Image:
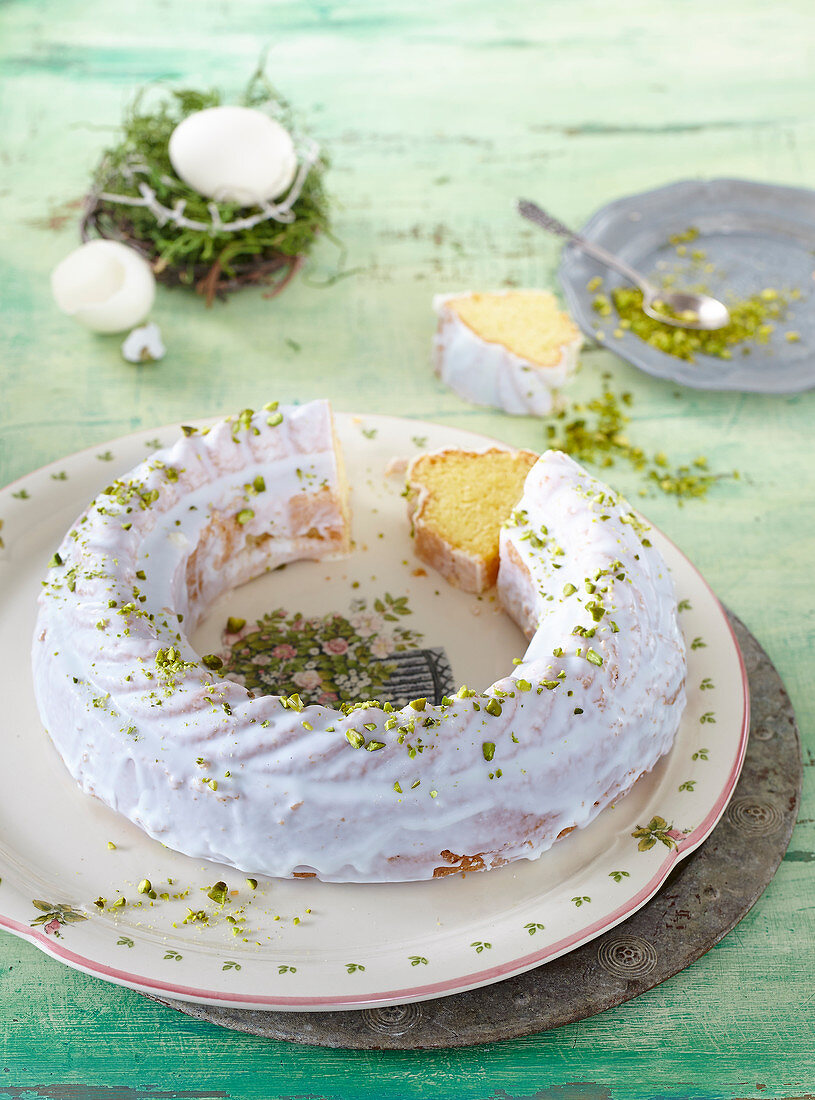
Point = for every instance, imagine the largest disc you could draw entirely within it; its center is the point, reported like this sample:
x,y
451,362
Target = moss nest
x,y
213,261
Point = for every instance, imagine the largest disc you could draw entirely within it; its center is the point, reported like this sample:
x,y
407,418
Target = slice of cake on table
x,y
510,349
457,501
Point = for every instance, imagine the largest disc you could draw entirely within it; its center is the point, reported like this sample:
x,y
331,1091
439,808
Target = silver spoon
x,y
681,308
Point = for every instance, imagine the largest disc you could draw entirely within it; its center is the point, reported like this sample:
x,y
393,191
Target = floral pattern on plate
x,y
335,658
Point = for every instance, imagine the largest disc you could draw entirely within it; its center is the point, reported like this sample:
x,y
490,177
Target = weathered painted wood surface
x,y
436,117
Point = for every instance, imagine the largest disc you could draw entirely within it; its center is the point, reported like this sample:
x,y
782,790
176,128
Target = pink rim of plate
x,y
434,989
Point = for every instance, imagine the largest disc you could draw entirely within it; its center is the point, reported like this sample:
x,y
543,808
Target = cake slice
x,y
510,349
457,501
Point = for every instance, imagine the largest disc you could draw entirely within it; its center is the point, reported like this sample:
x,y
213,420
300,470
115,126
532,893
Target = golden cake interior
x,y
463,497
526,322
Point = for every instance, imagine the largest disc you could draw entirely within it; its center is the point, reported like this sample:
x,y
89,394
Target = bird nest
x,y
190,241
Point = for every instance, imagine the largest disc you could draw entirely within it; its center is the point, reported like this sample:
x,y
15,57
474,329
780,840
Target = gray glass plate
x,y
756,235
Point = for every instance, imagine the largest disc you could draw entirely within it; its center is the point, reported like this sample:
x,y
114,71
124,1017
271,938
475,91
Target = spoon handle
x,y
533,213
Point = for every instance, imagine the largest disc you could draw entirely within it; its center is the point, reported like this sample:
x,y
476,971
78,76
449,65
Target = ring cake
x,y
364,793
510,349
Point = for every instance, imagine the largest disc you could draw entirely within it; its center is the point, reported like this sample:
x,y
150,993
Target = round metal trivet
x,y
704,897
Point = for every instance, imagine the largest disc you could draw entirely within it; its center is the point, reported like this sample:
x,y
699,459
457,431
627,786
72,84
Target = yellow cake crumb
x,y
526,322
457,501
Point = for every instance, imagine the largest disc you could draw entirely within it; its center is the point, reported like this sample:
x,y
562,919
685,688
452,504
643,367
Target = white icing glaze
x,y
488,373
300,797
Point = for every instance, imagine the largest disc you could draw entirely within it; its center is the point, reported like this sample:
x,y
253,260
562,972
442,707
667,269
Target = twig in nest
x,y
208,286
294,266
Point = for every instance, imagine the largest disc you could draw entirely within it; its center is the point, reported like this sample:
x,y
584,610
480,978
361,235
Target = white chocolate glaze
x,y
490,374
152,735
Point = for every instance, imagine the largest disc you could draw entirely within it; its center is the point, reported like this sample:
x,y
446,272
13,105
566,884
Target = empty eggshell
x,y
105,285
233,154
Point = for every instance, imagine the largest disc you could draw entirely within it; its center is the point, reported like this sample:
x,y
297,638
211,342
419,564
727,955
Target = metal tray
x,y
756,235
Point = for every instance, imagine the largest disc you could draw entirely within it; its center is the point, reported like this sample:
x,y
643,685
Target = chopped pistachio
x,y
602,305
750,323
685,237
218,893
600,439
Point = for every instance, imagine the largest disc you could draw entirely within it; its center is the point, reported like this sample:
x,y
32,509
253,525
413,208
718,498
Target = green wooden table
x,y
436,117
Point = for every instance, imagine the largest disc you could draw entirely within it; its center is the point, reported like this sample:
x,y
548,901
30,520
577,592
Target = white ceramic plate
x,y
351,945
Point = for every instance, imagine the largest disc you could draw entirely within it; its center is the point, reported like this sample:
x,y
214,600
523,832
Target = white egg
x,y
233,154
105,285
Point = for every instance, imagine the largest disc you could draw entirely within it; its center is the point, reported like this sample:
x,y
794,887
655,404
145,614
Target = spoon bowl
x,y
685,310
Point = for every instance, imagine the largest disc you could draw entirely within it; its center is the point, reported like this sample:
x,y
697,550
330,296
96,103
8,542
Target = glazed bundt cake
x,y
273,787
